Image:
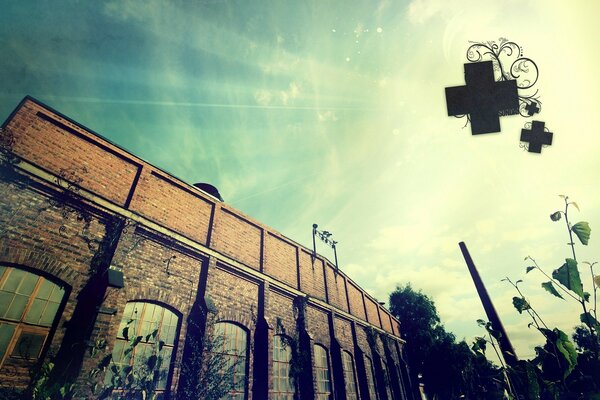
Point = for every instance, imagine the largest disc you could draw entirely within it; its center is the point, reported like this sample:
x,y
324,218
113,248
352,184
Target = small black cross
x,y
536,137
532,108
484,99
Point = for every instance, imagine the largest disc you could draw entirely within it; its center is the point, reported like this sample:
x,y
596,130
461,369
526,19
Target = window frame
x,y
276,364
21,326
138,332
347,356
234,393
327,368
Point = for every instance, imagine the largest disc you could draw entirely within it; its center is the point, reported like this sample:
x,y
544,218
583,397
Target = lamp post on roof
x,y
325,237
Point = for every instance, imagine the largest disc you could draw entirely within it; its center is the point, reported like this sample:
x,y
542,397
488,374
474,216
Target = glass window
x,y
143,319
28,307
283,387
349,376
322,373
233,347
370,378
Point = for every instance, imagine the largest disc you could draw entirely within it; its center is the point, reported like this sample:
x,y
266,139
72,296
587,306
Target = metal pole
x,y
315,226
505,346
335,255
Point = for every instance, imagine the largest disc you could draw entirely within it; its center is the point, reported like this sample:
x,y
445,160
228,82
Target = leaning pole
x,y
505,346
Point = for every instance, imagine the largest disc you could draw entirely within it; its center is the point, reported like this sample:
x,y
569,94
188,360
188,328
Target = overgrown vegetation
x,y
448,369
563,368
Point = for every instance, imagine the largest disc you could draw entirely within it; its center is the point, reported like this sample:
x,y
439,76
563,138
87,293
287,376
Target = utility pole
x,y
505,346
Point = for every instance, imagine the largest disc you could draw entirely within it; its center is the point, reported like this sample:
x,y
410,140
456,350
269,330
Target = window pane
x,y
35,311
6,333
5,300
49,314
28,346
57,294
44,290
2,270
28,284
14,279
15,311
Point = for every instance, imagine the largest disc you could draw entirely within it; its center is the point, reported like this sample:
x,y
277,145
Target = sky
x,y
333,112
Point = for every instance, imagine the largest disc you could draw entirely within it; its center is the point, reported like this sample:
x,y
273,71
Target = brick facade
x,y
75,205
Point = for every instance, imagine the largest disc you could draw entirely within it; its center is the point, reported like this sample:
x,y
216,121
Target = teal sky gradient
x,y
334,112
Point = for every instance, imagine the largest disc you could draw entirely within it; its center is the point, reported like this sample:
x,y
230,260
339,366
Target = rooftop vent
x,y
210,189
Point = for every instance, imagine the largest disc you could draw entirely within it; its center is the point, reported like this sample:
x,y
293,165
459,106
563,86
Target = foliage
x,y
215,366
561,369
448,369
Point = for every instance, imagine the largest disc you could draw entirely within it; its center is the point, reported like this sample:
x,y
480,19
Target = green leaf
x,y
555,216
105,361
529,269
566,348
520,304
588,318
550,288
151,363
582,230
568,275
479,345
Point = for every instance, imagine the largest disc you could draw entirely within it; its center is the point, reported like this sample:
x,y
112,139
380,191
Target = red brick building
x,y
77,213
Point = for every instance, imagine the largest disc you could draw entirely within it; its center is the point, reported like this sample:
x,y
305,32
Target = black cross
x,y
532,108
536,137
484,99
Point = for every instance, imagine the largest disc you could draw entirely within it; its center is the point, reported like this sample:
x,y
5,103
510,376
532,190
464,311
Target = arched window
x,y
283,388
322,373
29,305
371,379
233,347
349,375
155,324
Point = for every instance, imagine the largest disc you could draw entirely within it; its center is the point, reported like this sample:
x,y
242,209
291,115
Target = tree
x,y
448,369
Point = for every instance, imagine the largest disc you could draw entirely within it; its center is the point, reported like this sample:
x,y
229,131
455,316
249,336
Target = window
x,y
322,373
234,347
143,319
349,376
283,388
370,378
29,305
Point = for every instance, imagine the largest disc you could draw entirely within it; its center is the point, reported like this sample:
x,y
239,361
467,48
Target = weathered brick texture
x,y
280,260
158,198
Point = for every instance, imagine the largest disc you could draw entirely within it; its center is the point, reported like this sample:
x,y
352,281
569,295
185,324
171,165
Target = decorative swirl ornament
x,y
510,64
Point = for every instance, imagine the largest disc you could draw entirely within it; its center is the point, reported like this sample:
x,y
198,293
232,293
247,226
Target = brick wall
x,y
172,233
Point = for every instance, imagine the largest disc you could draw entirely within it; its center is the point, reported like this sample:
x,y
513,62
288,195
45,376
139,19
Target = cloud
x,y
327,116
266,97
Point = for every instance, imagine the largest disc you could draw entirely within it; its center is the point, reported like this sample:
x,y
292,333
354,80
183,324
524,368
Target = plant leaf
x,y
550,288
529,269
582,230
575,205
151,363
568,275
520,304
589,318
555,216
566,348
